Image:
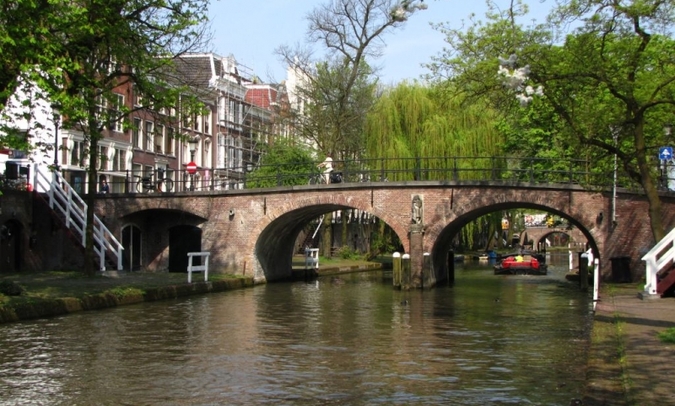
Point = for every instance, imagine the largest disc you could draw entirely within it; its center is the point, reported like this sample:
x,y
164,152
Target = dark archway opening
x,y
131,241
183,239
10,246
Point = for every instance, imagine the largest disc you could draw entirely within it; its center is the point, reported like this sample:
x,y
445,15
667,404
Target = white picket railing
x,y
64,200
658,258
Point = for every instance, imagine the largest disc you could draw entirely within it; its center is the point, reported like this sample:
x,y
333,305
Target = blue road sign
x,y
666,153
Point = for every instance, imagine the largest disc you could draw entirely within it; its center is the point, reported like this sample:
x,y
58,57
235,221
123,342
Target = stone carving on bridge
x,y
417,210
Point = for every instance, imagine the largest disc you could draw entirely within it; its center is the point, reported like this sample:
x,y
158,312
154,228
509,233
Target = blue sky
x,y
251,30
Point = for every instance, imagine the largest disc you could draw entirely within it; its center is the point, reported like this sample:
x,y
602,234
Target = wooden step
x,y
665,283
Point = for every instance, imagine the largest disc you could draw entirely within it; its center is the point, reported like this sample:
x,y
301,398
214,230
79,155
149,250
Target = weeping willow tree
x,y
413,126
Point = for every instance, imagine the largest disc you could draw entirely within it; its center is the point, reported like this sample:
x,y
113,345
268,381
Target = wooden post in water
x,y
406,272
396,264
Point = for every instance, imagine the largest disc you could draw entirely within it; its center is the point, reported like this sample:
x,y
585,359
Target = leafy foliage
x,y
608,81
283,164
411,121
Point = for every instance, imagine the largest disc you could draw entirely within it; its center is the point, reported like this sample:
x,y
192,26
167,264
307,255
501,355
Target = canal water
x,y
352,340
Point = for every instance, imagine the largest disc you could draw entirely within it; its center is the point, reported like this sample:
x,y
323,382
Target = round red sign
x,y
192,168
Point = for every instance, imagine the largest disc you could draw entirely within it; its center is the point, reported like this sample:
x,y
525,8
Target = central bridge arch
x,y
276,243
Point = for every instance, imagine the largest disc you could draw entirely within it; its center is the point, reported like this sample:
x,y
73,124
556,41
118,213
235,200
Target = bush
x,y
10,288
347,253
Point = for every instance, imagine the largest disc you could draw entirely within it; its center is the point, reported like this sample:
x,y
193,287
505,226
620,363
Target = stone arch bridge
x,y
253,232
538,235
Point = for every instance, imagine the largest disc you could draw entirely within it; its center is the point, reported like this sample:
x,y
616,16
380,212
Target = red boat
x,y
520,265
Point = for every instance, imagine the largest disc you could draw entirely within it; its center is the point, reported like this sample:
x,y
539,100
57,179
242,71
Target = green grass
x,y
71,284
667,336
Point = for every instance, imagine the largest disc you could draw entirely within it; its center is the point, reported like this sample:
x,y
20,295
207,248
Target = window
x,y
77,154
138,101
239,151
207,122
103,158
116,115
119,160
159,139
207,153
222,109
168,141
233,113
109,112
149,142
222,152
231,152
136,133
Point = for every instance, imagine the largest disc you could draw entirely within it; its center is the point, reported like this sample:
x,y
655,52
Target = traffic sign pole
x,y
191,170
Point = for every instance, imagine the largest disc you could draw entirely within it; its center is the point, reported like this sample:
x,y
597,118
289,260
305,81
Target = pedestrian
x,y
327,164
105,188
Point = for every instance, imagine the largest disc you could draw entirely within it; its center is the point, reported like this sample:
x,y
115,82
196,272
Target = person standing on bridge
x,y
327,164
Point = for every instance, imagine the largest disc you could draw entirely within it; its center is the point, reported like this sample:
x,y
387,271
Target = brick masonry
x,y
253,232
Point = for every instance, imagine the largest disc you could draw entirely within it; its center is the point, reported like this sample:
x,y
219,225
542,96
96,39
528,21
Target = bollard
x,y
396,264
583,272
596,281
427,277
406,272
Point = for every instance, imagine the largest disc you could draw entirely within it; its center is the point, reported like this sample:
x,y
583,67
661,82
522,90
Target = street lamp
x,y
667,132
57,120
192,145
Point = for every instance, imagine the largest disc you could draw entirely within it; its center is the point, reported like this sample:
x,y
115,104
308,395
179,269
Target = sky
x,y
251,30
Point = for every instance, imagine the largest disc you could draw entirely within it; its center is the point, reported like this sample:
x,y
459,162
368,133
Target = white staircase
x,y
659,265
66,202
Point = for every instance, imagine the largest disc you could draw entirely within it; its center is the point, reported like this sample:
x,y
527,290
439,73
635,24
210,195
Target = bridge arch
x,y
275,245
441,237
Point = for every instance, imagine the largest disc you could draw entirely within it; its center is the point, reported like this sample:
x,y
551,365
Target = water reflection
x,y
489,340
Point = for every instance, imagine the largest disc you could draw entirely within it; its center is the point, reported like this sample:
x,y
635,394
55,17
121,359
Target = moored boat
x,y
520,265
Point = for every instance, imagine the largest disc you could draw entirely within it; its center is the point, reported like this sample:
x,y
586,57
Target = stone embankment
x,y
39,308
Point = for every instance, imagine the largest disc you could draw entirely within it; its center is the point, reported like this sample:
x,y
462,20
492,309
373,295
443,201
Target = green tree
x,y
412,120
609,80
282,163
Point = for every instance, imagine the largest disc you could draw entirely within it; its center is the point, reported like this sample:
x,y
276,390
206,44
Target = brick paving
x,y
628,364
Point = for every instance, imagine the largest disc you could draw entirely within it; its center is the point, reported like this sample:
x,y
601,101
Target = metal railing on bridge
x,y
497,170
470,170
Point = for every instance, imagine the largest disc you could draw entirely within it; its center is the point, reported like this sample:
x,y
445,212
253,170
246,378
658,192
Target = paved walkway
x,y
628,364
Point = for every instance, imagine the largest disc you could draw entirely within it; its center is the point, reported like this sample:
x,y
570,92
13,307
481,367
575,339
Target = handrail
x,y
658,258
63,199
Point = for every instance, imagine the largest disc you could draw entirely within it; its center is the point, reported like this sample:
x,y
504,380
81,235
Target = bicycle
x,y
319,178
145,184
316,179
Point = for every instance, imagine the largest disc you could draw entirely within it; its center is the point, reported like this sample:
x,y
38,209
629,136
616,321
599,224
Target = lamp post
x,y
667,132
192,144
57,120
249,169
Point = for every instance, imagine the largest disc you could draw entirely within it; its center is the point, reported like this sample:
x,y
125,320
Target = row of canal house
x,y
241,115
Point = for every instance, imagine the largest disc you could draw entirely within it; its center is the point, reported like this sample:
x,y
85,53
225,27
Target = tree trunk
x,y
647,182
327,235
89,268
